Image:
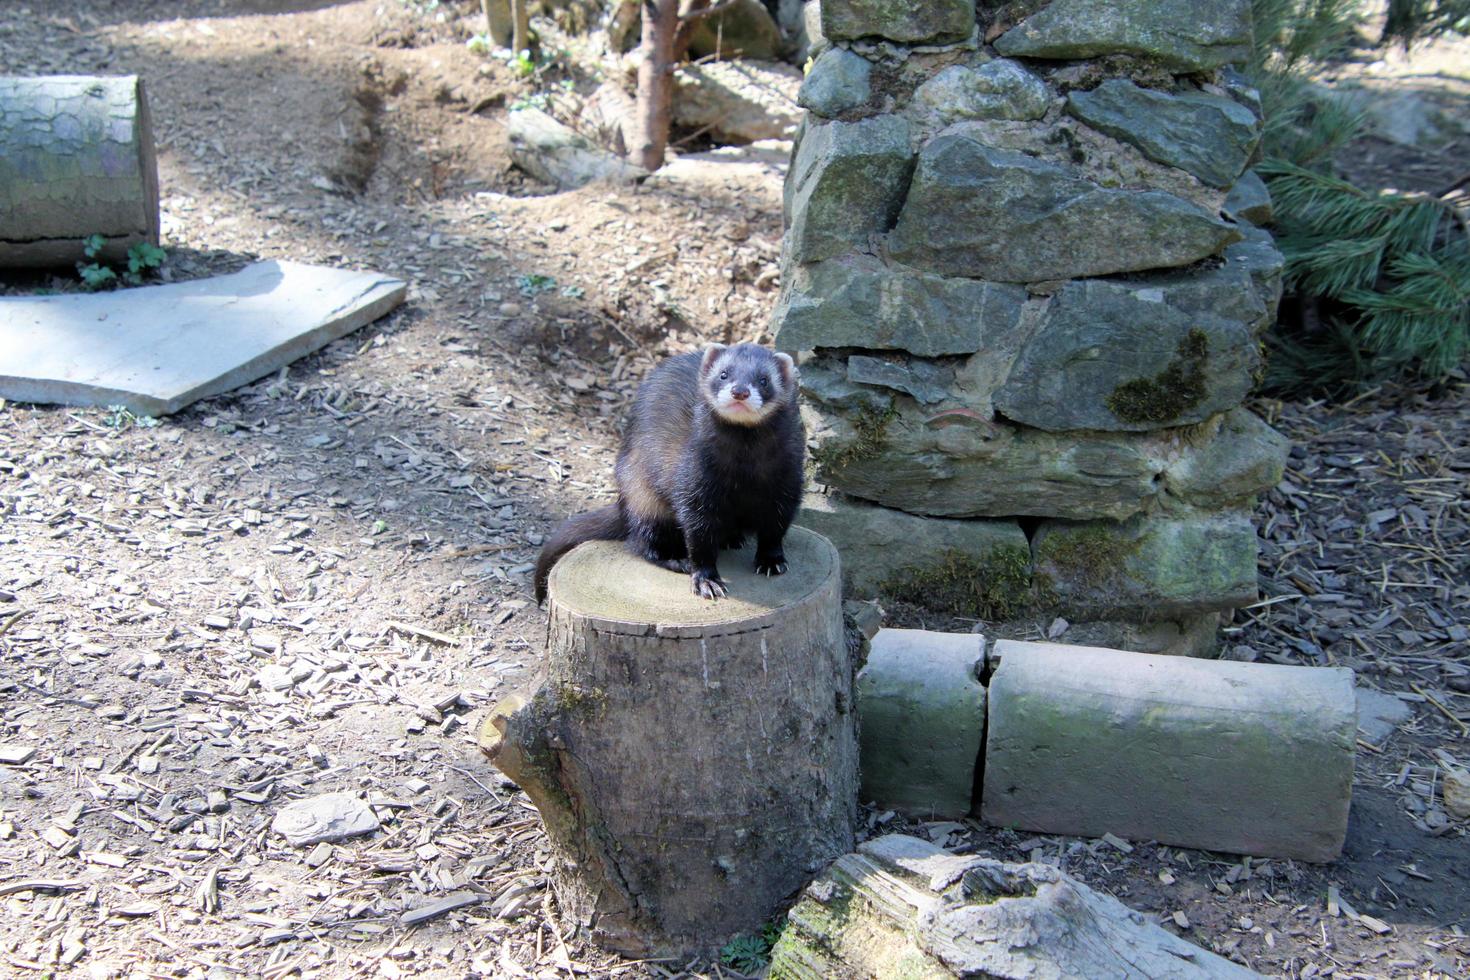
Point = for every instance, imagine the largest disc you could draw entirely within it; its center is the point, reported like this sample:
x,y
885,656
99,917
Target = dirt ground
x,y
318,582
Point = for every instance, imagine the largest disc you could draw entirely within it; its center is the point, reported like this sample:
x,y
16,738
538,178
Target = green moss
x,y
1087,556
1170,393
868,427
574,697
992,586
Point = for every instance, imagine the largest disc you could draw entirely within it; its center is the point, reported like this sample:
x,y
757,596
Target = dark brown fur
x,y
698,472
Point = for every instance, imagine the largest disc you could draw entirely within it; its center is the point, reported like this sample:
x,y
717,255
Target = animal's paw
x,y
770,564
709,585
735,542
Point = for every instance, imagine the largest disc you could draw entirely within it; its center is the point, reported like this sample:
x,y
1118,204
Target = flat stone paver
x,y
157,349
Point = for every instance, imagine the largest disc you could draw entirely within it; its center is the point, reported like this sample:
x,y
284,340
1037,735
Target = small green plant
x,y
120,417
94,274
573,292
480,44
144,258
523,64
531,285
751,953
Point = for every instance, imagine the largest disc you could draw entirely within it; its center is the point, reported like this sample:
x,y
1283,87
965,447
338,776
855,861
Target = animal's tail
x,y
603,524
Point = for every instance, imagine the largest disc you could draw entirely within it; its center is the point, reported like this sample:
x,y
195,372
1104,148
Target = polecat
x,y
713,452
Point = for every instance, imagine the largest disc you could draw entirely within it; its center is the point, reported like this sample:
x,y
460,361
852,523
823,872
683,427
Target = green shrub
x,y
1377,281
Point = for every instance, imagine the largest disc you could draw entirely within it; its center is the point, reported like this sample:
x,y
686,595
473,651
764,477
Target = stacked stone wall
x,y
1021,272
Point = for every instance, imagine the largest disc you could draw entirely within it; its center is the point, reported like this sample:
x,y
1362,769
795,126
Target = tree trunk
x,y
655,82
903,907
76,159
695,762
499,22
521,21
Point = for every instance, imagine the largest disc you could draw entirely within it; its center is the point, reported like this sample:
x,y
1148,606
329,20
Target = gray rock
x,y
328,818
745,30
1147,567
837,82
1132,356
739,101
974,210
1250,200
998,89
1189,636
556,154
884,550
859,301
1259,258
923,381
846,183
1247,758
1246,457
955,462
1210,136
921,718
931,22
1380,715
1190,35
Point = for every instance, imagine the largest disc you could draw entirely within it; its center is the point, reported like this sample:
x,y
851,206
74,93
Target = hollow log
x,y
695,762
76,159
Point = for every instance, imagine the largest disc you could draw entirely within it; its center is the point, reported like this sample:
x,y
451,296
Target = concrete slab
x,y
1247,758
157,349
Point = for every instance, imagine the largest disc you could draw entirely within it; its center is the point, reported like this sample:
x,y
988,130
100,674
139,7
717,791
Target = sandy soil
x,y
361,525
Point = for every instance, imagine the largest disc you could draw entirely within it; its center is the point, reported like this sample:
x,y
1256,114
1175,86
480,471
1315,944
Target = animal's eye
x,y
724,375
765,384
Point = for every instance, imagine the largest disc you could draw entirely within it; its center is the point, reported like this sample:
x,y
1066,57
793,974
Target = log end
x,y
602,581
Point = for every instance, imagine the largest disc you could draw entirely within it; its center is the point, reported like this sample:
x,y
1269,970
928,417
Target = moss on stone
x,y
992,586
1170,393
1087,556
868,427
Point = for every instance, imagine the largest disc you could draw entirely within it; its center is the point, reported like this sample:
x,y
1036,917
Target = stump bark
x,y
695,762
76,159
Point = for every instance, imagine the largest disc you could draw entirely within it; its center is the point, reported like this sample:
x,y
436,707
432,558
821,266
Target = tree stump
x,y
695,762
76,159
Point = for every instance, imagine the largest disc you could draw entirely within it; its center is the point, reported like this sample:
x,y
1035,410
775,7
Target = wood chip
x,y
444,906
16,755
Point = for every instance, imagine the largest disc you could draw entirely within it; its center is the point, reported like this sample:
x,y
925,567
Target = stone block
x,y
860,301
1250,200
921,719
1247,758
930,22
1209,136
847,182
738,101
837,82
1138,355
1147,567
978,211
1188,636
998,89
1245,457
1187,35
745,29
955,462
968,567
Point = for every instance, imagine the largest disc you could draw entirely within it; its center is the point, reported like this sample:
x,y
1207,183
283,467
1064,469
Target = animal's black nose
x,y
740,393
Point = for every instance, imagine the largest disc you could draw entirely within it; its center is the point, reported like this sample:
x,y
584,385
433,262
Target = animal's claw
x,y
770,566
709,586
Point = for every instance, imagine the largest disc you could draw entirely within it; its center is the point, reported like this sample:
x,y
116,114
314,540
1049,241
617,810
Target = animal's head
x,y
746,384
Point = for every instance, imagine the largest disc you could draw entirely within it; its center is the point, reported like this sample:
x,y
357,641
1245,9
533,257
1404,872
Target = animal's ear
x,y
712,353
788,369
